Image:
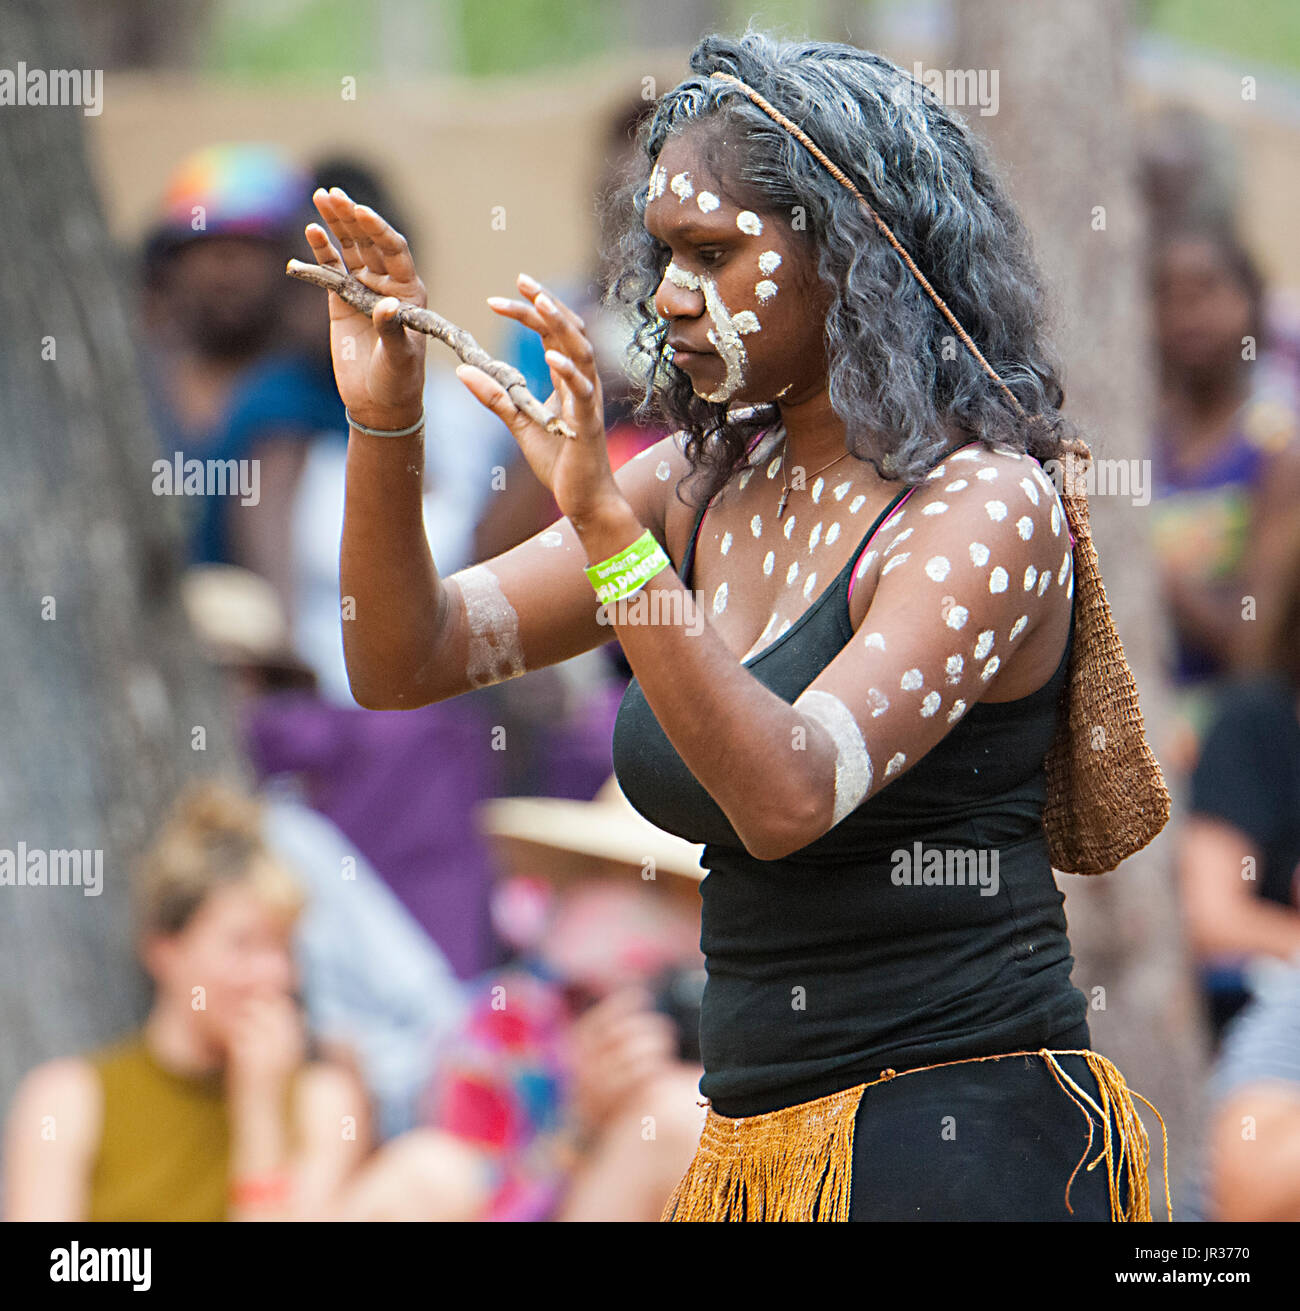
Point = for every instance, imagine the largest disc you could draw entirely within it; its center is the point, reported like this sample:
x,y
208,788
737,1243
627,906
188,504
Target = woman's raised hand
x,y
378,364
576,470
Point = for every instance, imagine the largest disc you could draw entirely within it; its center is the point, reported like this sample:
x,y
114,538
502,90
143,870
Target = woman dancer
x,y
847,683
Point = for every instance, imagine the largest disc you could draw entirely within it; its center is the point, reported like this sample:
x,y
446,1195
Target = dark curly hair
x,y
897,373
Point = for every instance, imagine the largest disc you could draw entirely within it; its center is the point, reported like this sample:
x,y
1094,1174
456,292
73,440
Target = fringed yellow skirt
x,y
797,1163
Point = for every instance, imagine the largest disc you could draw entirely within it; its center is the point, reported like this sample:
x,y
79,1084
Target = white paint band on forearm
x,y
495,652
852,763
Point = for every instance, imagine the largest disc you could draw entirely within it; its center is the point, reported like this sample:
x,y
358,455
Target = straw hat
x,y
559,838
239,620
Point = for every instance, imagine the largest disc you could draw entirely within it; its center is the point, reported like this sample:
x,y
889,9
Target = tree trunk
x,y
1063,128
104,687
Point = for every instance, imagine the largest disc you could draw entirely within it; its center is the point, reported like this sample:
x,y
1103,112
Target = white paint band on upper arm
x,y
495,652
852,763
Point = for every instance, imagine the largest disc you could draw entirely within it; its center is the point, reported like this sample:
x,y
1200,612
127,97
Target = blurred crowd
x,y
442,980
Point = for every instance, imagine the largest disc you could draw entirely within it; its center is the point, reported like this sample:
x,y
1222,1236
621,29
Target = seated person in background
x,y
1250,1169
1226,460
214,1109
1239,849
374,983
571,1092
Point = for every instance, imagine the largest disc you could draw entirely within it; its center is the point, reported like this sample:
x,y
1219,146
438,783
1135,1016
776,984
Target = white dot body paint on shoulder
x,y
749,222
707,202
494,650
852,763
681,187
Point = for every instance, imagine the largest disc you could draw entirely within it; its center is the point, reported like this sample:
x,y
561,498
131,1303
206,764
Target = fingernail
x,y
554,357
545,303
531,283
498,302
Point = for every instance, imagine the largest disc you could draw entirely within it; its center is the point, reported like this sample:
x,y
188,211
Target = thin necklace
x,y
785,487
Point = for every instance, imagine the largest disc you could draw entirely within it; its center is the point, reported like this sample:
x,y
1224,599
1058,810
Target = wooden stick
x,y
359,296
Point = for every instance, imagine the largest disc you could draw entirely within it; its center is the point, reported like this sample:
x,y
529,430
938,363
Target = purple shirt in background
x,y
402,785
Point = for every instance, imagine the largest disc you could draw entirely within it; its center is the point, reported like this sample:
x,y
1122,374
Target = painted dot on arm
x,y
996,510
930,704
720,599
998,579
912,680
896,762
991,668
1030,490
957,616
1031,575
954,668
979,554
958,709
984,644
1025,527
792,573
937,567
875,641
1017,628
877,702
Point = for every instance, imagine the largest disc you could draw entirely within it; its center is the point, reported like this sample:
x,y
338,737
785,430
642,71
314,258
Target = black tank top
x,y
822,968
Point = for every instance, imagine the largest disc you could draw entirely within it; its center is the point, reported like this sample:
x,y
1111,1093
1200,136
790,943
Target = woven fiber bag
x,y
1106,796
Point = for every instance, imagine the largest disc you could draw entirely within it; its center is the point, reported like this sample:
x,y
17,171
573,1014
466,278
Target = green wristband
x,y
630,569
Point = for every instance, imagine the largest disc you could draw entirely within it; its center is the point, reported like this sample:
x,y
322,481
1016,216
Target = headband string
x,y
842,178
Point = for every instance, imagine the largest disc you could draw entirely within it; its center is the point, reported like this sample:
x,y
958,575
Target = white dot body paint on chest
x,y
681,187
852,763
749,223
756,525
494,652
720,599
726,543
664,471
552,538
707,202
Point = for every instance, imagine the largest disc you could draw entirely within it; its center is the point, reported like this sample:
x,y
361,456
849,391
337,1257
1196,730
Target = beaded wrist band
x,y
387,432
629,570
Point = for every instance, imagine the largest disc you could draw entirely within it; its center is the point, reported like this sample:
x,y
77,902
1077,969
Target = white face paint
x,y
494,650
724,336
749,223
765,290
707,202
852,763
681,187
768,262
746,322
